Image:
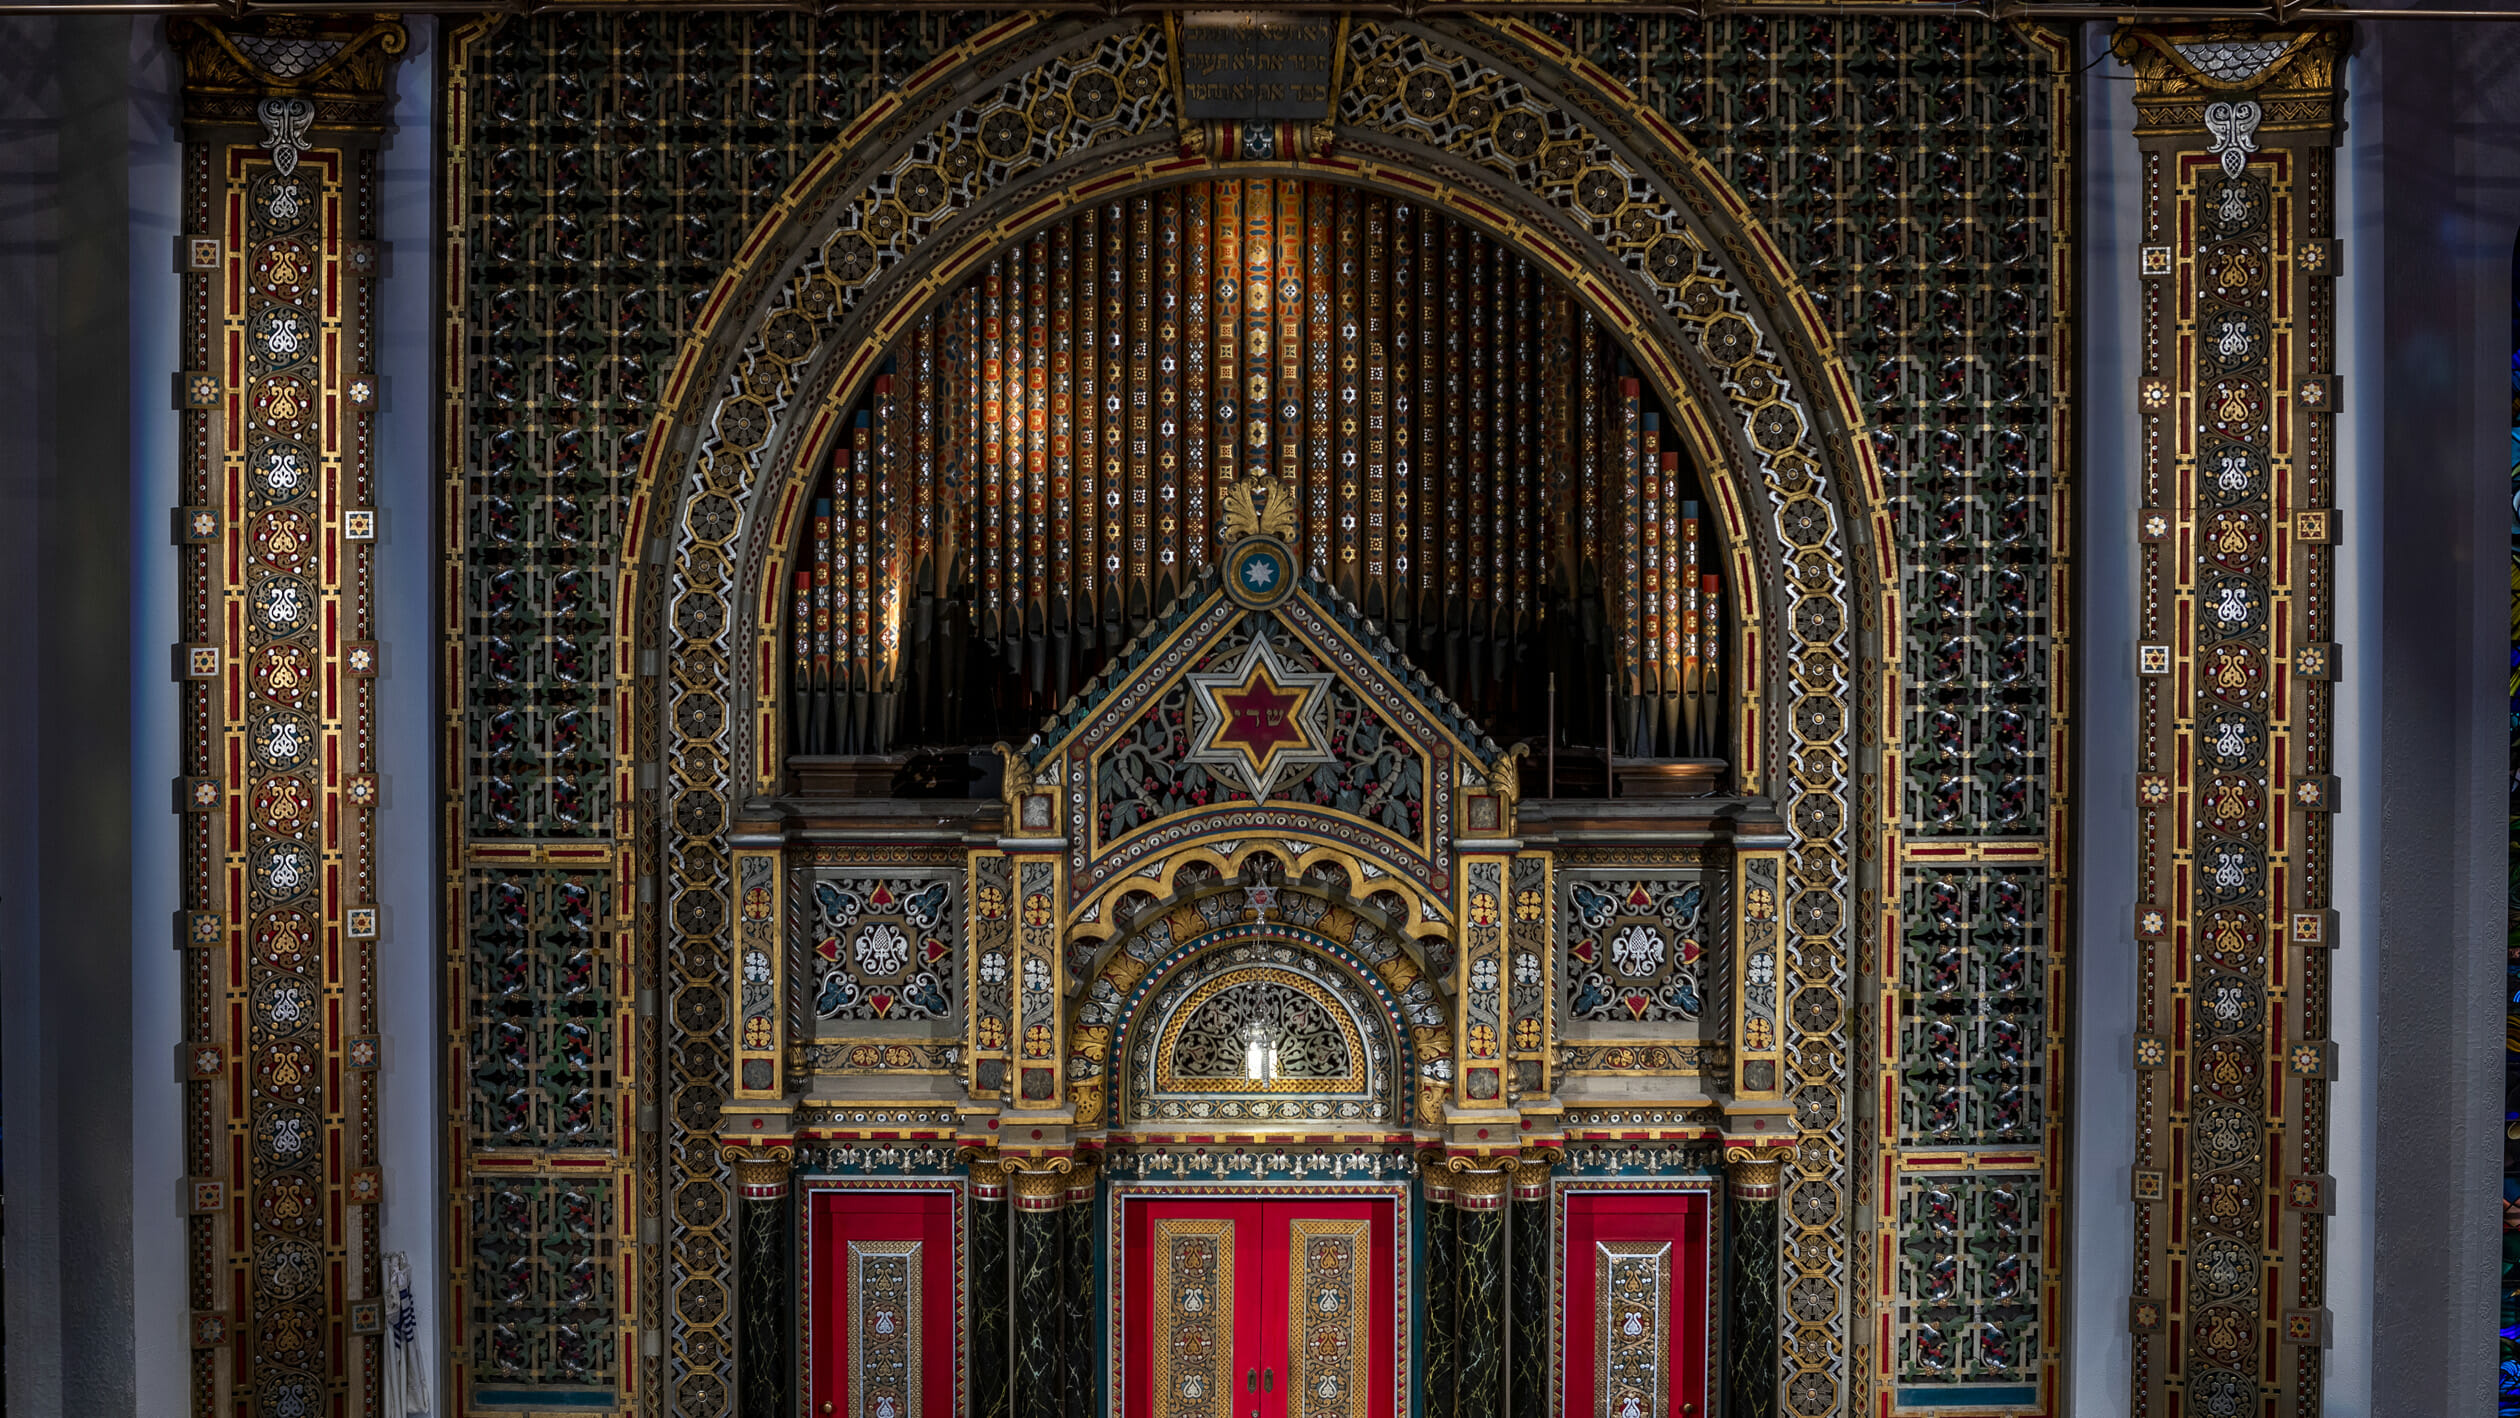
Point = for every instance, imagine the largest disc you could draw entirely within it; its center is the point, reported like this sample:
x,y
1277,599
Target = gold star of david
x,y
1260,720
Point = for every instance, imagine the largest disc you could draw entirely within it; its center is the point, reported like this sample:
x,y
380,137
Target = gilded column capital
x,y
1752,1172
1080,1183
289,74
2232,75
1531,1173
988,1177
1040,1184
761,1172
1477,1188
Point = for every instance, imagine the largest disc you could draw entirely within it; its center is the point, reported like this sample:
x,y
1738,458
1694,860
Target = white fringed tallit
x,y
406,1369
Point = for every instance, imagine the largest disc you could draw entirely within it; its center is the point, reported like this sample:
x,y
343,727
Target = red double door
x,y
1258,1308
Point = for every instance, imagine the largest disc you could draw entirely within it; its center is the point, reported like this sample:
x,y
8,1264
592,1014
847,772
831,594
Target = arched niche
x,y
1610,195
1356,981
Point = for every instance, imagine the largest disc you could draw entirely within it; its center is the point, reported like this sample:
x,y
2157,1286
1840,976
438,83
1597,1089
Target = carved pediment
x,y
1261,704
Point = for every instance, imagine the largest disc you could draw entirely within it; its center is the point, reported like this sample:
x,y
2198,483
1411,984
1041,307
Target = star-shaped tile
x,y
1260,719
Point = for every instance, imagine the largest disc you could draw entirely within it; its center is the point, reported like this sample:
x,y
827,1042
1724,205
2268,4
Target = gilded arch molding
x,y
1362,974
1612,200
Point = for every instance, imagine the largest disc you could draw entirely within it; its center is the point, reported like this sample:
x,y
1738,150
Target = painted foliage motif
x,y
1327,1320
1635,949
274,607
1194,1318
1972,966
1632,1328
1969,1268
541,1032
882,947
543,1281
885,1317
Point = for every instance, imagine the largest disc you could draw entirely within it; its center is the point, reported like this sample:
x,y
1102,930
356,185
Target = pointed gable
x,y
1260,705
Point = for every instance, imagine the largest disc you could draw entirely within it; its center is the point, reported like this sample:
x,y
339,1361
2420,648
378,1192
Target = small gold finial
x,y
1257,505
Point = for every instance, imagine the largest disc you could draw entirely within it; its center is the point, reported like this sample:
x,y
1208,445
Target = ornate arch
x,y
1176,881
1336,950
1598,187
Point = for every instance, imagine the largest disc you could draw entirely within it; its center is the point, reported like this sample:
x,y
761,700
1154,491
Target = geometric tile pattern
x,y
1918,175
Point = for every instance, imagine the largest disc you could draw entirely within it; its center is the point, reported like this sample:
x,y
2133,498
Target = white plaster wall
x,y
161,1313
407,856
2353,1099
2100,1253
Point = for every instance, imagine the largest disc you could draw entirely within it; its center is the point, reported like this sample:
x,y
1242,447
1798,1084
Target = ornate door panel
x,y
1258,1309
883,1331
1633,1341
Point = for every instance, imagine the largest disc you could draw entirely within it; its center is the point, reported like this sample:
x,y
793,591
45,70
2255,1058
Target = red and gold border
x,y
280,926
2234,786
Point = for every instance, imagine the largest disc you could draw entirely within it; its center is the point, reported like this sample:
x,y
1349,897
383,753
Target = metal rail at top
x,y
2274,13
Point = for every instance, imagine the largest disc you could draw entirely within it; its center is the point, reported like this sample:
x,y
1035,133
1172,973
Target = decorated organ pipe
x,y
1040,468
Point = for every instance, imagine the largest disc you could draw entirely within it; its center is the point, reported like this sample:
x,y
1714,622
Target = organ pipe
x,y
1038,470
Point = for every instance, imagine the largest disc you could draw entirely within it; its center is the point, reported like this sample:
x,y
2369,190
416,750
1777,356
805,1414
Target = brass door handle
x,y
1268,1380
1251,1380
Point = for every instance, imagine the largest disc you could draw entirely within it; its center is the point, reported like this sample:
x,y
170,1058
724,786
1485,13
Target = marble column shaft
x,y
1750,1340
1078,1220
1479,1307
1441,1279
769,1304
1533,1249
989,1315
1038,1253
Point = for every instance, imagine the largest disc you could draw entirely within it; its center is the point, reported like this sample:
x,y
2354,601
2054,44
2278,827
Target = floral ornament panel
x,y
1194,1318
1632,1325
1327,1320
2235,753
1635,949
540,996
992,971
1973,1040
884,1329
882,947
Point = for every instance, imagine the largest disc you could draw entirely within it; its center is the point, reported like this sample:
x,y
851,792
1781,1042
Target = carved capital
x,y
1751,1172
2186,74
1041,1183
1080,1186
1531,1174
303,71
761,1173
988,1178
1477,1188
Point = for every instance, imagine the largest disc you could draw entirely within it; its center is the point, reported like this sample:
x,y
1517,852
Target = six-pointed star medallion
x,y
1260,718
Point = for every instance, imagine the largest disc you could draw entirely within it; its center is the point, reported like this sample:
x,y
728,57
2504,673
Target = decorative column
x,y
1534,1246
765,1292
1038,1357
989,1314
1479,1300
278,928
1750,1177
1442,1284
1082,1326
2234,777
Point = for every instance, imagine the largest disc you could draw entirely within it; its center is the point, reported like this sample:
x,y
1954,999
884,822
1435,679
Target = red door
x,y
1635,1282
1258,1309
885,1304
